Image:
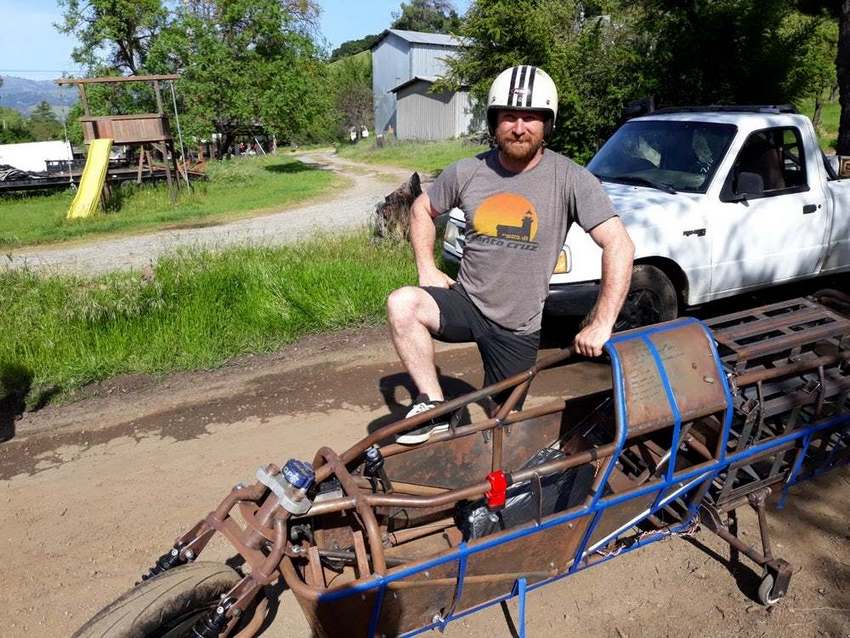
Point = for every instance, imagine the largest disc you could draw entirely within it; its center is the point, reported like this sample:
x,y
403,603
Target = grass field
x,y
828,130
425,157
235,188
198,310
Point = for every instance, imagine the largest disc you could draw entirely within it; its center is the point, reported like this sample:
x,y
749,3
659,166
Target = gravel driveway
x,y
348,209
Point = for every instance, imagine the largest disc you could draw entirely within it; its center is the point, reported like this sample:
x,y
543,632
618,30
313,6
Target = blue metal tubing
x,y
569,516
597,504
622,423
674,406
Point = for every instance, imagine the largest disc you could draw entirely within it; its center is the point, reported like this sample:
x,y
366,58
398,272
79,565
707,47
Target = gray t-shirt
x,y
516,224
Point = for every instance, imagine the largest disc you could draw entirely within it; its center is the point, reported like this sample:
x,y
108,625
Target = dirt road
x,y
343,210
92,492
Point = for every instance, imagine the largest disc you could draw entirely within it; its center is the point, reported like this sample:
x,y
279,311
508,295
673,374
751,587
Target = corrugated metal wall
x,y
428,59
428,116
390,67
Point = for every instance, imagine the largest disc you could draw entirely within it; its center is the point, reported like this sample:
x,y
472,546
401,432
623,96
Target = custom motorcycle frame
x,y
701,419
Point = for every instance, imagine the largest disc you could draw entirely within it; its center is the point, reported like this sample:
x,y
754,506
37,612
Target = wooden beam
x,y
83,99
117,79
158,96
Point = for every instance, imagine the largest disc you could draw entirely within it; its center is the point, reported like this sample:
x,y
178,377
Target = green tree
x,y
350,82
114,33
244,64
352,47
843,75
431,16
727,51
593,58
43,123
603,54
13,127
840,11
815,76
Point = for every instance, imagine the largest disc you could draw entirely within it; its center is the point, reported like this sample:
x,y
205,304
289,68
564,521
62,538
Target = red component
x,y
498,489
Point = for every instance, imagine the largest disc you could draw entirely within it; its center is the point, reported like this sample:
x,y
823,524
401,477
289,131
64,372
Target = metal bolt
x,y
219,609
175,551
189,554
437,619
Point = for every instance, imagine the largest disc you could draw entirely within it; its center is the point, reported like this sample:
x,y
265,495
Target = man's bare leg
x,y
413,316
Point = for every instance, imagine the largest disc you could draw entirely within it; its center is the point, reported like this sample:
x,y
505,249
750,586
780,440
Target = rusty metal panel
x,y
411,603
464,460
343,617
691,369
535,557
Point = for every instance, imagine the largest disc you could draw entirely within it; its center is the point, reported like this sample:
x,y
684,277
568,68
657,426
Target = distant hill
x,y
23,95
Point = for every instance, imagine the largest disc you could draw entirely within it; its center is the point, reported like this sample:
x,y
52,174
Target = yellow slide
x,y
87,198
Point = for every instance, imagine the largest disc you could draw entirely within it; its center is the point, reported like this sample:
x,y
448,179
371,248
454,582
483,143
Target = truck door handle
x,y
699,232
810,208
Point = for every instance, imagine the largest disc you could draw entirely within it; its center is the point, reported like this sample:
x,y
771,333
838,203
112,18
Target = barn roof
x,y
430,79
420,37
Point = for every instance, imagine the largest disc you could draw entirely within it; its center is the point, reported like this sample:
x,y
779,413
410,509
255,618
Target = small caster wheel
x,y
766,595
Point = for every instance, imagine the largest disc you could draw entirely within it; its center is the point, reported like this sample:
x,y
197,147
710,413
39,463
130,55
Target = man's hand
x,y
591,338
436,278
617,254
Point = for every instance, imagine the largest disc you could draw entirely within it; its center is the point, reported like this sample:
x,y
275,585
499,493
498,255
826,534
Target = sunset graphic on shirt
x,y
506,216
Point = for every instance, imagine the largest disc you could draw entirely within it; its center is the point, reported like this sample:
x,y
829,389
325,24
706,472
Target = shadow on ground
x,y
292,167
15,384
389,384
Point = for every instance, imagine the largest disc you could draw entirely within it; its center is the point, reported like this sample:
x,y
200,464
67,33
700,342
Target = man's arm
x,y
422,236
618,252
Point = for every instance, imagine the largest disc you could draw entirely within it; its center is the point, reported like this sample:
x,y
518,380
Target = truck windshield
x,y
666,154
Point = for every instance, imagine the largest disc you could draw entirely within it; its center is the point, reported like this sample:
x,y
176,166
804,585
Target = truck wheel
x,y
651,299
168,604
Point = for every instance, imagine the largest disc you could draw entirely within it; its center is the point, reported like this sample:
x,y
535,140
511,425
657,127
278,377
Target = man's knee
x,y
412,305
402,304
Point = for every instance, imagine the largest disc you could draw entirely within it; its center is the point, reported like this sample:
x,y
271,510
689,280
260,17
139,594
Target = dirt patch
x,y
93,491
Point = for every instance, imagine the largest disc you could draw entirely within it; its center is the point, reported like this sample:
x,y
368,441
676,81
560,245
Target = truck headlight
x,y
451,233
564,263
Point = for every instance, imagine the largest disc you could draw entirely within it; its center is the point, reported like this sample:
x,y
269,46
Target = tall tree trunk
x,y
818,111
842,67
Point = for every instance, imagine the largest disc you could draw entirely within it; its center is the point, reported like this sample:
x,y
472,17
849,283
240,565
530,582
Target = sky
x,y
30,47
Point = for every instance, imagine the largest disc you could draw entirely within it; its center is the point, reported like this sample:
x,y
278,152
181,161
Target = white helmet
x,y
523,88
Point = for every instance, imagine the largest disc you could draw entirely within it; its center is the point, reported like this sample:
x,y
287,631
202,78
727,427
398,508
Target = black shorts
x,y
504,353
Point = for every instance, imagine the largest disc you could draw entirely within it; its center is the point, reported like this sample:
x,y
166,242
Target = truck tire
x,y
652,299
168,604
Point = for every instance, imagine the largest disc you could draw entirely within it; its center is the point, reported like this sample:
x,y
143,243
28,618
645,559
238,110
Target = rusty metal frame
x,y
677,492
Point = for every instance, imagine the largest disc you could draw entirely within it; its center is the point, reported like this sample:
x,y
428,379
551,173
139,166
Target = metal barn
x,y
423,115
401,56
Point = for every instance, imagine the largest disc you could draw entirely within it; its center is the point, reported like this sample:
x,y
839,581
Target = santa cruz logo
x,y
508,220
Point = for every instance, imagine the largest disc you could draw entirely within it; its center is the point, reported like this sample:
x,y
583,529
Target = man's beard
x,y
522,150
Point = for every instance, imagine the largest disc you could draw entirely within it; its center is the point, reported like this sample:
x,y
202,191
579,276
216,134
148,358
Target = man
x,y
519,200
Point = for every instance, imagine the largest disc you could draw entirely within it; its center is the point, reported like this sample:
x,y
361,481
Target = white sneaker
x,y
424,432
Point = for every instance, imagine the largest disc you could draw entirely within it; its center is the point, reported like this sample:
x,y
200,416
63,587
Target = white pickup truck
x,y
718,201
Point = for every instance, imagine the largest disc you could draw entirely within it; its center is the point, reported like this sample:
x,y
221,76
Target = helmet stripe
x,y
518,96
530,86
512,86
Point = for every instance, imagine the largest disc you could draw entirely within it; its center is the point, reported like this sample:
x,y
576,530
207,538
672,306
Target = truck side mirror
x,y
748,185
